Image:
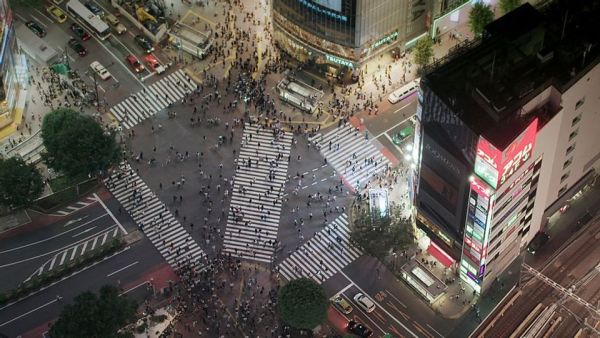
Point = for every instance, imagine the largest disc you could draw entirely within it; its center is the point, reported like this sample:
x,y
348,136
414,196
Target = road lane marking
x,y
393,306
394,126
111,214
422,329
75,221
62,259
73,253
398,300
344,289
434,330
29,312
50,238
381,307
104,238
84,231
121,269
52,263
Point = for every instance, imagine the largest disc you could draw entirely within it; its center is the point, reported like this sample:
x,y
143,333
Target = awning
x,y
440,255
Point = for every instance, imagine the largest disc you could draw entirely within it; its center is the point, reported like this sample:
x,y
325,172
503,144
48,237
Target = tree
x,y
302,304
480,15
508,5
95,316
20,183
76,144
379,235
423,51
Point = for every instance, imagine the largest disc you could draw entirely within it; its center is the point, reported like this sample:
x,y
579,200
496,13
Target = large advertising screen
x,y
335,5
496,166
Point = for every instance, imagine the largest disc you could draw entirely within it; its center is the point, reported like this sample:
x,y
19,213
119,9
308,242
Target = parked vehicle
x,y
77,47
100,70
342,305
143,42
134,63
404,91
364,302
80,32
359,329
36,28
537,242
94,8
113,22
153,64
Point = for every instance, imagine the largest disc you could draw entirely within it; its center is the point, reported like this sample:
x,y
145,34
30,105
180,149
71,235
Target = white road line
x,y
434,330
84,231
74,252
121,269
398,300
104,238
381,307
343,290
52,263
62,259
29,312
111,214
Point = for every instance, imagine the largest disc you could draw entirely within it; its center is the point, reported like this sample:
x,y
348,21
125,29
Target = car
x,y
364,302
77,47
342,305
538,241
94,8
144,43
153,64
80,32
359,329
36,28
57,14
134,63
100,70
112,21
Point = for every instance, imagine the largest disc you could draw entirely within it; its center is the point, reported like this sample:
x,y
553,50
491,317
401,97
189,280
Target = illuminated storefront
x,y
13,72
343,34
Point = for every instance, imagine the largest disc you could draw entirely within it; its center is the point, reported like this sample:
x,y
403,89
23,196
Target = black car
x,y
36,28
78,47
359,329
80,32
94,8
144,43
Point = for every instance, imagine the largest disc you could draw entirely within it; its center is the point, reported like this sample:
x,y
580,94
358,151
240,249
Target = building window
x,y
564,176
567,163
570,149
573,134
562,190
580,103
576,120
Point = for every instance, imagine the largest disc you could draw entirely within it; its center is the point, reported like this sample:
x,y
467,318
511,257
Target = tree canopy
x,y
508,5
20,183
481,14
302,304
95,316
379,235
423,51
76,144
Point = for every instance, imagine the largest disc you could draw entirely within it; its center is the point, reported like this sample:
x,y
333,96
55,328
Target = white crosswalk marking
x,y
351,154
258,184
322,256
77,249
164,231
157,97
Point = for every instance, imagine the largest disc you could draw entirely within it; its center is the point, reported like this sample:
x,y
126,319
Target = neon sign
x,y
340,61
383,40
495,166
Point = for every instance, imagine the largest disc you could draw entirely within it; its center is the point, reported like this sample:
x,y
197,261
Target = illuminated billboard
x,y
496,166
336,5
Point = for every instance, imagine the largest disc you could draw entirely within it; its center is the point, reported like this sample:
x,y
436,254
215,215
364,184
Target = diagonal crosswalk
x,y
255,207
165,232
322,256
351,154
154,98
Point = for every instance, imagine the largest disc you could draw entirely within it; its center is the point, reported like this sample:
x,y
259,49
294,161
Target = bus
x,y
88,19
403,92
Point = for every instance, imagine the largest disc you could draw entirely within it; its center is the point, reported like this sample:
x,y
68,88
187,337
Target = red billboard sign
x,y
496,166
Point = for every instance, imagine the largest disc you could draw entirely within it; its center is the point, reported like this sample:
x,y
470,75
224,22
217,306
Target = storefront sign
x,y
388,38
339,61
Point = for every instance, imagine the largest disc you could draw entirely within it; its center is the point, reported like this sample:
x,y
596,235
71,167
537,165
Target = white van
x,y
403,92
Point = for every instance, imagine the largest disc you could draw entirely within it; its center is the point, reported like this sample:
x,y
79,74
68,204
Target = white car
x,y
100,70
364,302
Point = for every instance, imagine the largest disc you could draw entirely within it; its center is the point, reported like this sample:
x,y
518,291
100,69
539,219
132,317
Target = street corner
x,y
388,154
356,122
160,276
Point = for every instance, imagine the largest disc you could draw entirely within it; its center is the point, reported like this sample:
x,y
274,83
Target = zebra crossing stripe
x,y
143,105
322,256
255,207
352,156
162,229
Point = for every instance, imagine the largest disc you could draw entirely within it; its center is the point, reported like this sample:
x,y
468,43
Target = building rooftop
x,y
520,55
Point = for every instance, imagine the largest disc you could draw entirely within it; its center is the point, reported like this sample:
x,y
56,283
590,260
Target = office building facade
x,y
506,137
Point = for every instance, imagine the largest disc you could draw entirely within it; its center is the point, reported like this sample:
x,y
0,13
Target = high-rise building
x,y
345,33
508,134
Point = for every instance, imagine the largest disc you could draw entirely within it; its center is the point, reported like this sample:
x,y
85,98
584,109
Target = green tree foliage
x,y
20,183
302,304
481,14
76,144
423,51
95,316
508,5
28,4
379,235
